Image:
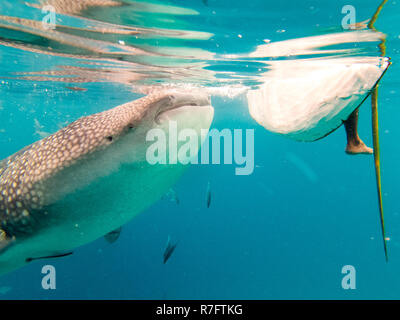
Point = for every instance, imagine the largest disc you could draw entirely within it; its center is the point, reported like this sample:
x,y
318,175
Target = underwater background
x,y
283,232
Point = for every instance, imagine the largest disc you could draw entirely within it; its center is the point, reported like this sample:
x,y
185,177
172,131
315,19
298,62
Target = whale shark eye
x,y
109,138
132,128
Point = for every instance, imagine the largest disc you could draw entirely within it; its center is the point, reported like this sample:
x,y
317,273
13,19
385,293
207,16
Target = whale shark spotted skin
x,y
90,177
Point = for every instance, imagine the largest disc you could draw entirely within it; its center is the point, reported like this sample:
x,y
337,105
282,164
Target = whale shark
x,y
90,177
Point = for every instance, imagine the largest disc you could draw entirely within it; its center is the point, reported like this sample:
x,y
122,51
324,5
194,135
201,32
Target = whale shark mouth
x,y
182,103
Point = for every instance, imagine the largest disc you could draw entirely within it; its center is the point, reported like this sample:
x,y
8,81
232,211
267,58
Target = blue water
x,y
283,232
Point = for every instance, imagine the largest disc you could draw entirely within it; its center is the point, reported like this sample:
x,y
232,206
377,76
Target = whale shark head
x,y
90,177
186,110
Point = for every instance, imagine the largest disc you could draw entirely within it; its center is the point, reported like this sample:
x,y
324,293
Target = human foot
x,y
358,147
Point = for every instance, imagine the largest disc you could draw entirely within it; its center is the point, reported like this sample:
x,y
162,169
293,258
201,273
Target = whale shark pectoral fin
x,y
5,241
113,236
49,257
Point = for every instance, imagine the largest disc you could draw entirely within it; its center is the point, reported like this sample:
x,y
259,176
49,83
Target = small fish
x,y
76,89
171,195
169,250
208,195
113,236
